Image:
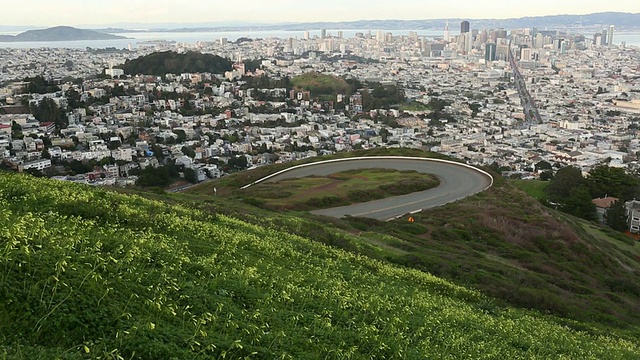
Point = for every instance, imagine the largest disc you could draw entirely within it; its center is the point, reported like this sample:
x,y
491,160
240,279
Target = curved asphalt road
x,y
456,182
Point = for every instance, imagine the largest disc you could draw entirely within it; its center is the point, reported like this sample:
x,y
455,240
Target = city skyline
x,y
80,13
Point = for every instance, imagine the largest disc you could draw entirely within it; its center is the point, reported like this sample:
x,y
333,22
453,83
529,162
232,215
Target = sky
x,y
110,12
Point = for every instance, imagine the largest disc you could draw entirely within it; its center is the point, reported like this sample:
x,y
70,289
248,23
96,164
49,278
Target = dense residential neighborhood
x,y
78,115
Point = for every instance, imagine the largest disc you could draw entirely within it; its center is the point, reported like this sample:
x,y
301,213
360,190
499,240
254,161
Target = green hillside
x,y
321,85
501,242
90,273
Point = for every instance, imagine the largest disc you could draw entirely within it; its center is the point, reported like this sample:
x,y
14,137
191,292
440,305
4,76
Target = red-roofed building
x,y
47,127
602,205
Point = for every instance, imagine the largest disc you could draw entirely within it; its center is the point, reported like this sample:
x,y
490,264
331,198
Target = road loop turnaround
x,y
457,181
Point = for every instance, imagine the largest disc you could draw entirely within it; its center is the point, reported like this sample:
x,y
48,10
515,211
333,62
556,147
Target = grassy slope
x,y
501,242
534,188
90,273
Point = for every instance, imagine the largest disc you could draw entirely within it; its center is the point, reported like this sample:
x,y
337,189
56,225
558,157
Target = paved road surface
x,y
456,182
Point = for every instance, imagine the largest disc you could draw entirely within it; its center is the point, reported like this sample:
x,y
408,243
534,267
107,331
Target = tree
x,y
16,128
182,136
384,133
188,151
238,162
162,176
546,175
616,216
190,175
107,161
73,99
38,85
48,110
78,167
604,181
566,179
543,165
579,204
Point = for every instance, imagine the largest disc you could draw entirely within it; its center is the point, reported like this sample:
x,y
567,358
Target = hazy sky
x,y
101,12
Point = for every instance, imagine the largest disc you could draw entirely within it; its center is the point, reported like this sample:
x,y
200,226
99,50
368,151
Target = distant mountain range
x,y
590,22
59,33
597,21
577,23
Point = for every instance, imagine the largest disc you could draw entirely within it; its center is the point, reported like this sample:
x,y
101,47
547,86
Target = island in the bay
x,y
59,33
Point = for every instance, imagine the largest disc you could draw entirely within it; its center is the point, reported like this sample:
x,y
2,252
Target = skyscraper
x,y
464,27
539,41
610,36
446,31
323,33
490,52
446,34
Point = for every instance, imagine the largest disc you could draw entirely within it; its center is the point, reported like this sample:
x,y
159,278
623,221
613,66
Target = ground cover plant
x,y
89,273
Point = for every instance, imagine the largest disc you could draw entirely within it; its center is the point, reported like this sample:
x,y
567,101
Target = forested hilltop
x,y
169,62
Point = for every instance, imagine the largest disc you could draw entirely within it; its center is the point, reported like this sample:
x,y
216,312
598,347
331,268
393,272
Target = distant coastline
x,y
59,33
151,38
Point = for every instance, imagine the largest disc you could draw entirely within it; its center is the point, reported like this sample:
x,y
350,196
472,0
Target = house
x,y
213,170
37,164
47,127
602,205
633,215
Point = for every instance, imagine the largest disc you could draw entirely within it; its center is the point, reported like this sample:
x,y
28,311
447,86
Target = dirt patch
x,y
321,190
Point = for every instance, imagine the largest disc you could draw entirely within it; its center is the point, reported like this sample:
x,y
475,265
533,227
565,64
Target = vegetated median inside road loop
x,y
228,184
343,188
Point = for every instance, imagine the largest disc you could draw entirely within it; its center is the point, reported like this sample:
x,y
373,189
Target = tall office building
x,y
563,47
446,31
597,39
605,37
306,35
610,36
482,37
490,52
388,38
464,27
323,33
539,41
468,43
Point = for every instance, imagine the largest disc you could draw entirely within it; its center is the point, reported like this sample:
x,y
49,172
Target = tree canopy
x,y
573,192
48,110
605,181
569,190
565,180
169,62
39,85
